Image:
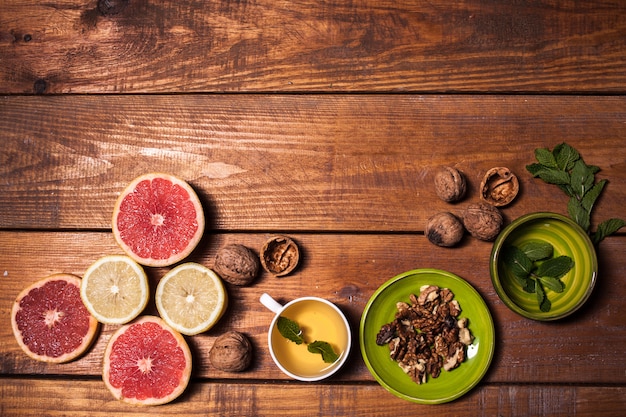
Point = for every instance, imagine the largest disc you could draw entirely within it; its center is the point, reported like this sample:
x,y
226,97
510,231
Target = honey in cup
x,y
319,320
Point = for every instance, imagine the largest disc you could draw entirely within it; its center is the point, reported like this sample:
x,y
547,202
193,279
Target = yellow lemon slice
x,y
115,289
191,298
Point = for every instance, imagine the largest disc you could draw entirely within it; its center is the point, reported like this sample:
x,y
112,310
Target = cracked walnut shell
x,y
483,221
231,352
499,186
450,184
236,264
280,255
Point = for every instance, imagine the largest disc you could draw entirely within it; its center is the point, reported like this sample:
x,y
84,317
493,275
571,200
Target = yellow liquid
x,y
318,321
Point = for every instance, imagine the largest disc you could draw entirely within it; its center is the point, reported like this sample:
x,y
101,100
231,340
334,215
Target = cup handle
x,y
270,303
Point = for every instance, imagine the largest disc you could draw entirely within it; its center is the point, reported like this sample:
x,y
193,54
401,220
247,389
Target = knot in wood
x,y
111,7
40,86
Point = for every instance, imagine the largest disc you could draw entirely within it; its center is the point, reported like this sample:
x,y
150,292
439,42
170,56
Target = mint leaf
x,y
578,213
530,285
544,304
519,263
565,156
324,349
553,176
537,249
289,329
555,267
592,195
535,168
552,283
607,228
567,189
582,178
545,157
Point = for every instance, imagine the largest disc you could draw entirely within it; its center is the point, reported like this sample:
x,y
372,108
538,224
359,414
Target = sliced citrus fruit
x,y
158,219
191,298
115,289
146,362
50,322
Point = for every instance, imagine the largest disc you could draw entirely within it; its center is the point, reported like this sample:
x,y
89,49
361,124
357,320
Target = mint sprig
x,y
535,269
565,168
291,330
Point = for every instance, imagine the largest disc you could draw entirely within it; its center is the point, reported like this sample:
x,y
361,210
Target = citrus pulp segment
x,y
191,298
115,289
50,322
158,219
146,362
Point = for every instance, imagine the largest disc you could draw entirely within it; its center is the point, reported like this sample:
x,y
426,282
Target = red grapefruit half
x,y
50,322
146,362
158,219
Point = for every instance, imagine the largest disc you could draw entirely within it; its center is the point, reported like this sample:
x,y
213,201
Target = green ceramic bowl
x,y
449,386
567,238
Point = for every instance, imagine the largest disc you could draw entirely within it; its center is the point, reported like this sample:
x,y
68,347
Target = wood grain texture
x,y
336,116
346,269
27,397
350,46
312,162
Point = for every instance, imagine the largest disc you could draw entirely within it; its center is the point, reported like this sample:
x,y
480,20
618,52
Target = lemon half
x,y
191,298
115,289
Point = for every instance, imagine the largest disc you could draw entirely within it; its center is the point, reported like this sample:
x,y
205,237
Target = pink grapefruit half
x,y
158,219
147,362
50,322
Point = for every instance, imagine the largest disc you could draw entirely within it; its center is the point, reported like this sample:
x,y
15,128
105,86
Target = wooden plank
x,y
39,397
346,269
372,45
295,162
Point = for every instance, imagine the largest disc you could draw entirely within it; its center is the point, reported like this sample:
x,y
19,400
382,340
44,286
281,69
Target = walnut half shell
x,y
499,187
280,255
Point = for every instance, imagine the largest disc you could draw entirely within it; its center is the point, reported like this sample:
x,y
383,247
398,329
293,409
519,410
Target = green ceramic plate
x,y
567,238
449,386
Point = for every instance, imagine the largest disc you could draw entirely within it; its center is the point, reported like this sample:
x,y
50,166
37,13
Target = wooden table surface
x,y
324,121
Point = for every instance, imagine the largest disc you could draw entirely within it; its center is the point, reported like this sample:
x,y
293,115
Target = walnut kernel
x,y
280,255
499,187
427,335
231,352
444,229
236,264
483,221
450,184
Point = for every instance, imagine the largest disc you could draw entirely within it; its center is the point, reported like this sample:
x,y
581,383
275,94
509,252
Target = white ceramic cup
x,y
275,341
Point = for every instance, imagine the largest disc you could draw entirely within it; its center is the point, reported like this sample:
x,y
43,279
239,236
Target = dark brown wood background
x,y
325,121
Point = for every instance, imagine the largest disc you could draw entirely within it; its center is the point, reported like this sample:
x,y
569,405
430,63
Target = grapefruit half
x,y
146,362
158,219
50,321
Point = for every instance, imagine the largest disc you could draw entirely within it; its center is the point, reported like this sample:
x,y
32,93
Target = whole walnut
x,y
483,221
231,352
444,229
450,184
236,264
